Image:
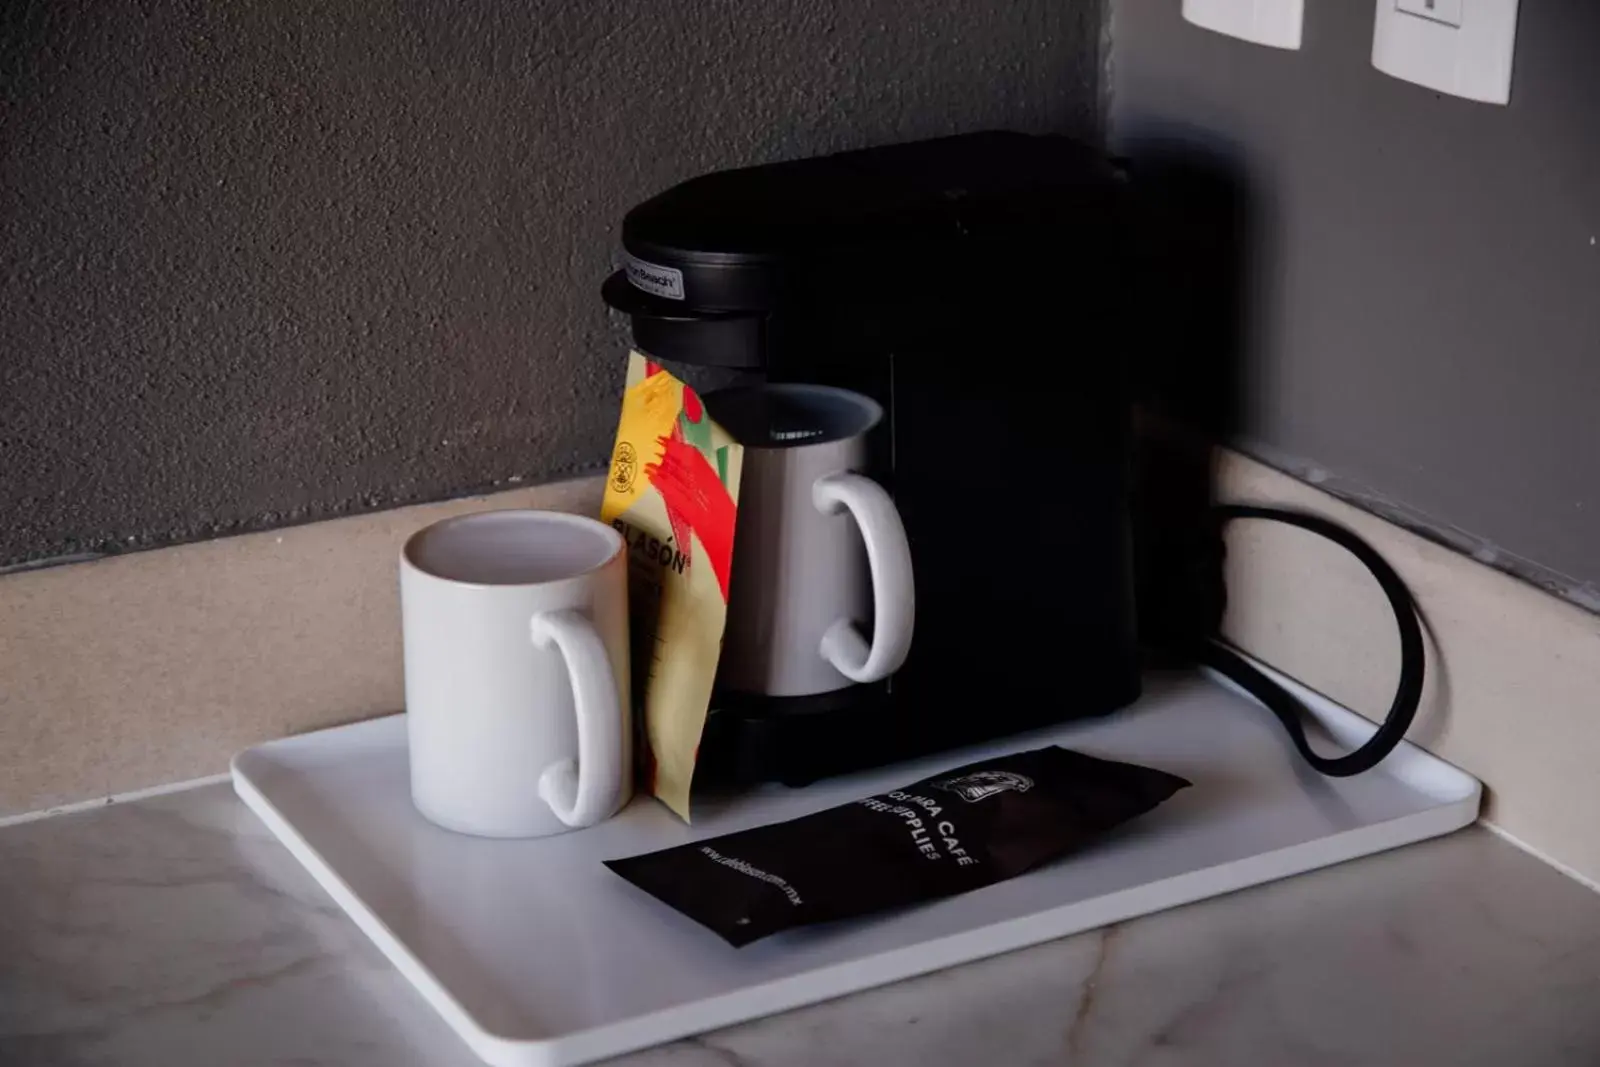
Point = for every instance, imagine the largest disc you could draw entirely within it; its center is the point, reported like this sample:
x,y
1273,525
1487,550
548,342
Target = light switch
x,y
1445,11
1269,22
1454,46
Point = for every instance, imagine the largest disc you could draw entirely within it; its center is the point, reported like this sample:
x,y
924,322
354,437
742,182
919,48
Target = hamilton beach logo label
x,y
654,278
980,785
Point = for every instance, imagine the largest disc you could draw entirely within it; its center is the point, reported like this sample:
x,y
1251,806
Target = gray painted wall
x,y
1422,292
276,260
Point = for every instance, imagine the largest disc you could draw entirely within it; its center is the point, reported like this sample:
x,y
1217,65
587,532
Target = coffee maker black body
x,y
972,285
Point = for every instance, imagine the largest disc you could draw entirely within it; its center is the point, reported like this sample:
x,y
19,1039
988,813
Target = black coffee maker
x,y
972,286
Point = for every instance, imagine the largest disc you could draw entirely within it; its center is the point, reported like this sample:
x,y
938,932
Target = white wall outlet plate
x,y
1270,22
1461,47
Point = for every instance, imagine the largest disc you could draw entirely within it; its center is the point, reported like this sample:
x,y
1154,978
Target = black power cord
x,y
1289,710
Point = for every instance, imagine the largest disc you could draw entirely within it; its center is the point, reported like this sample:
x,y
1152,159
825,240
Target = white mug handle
x,y
585,791
893,594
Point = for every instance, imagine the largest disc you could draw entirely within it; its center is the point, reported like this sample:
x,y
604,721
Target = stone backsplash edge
x,y
129,671
124,673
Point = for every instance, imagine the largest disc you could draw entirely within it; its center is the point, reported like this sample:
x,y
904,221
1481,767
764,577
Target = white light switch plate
x,y
1445,11
1461,47
1270,22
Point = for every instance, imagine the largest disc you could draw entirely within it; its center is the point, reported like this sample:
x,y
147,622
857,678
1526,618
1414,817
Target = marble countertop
x,y
175,930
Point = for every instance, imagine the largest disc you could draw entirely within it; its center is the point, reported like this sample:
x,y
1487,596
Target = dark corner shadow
x,y
1191,228
1194,224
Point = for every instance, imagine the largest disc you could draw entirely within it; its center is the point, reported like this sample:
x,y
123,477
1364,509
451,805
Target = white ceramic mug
x,y
516,667
819,551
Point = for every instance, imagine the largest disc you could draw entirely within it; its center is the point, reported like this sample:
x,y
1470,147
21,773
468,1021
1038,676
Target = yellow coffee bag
x,y
672,492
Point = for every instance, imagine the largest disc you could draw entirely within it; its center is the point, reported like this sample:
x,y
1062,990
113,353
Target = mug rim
x,y
562,518
871,410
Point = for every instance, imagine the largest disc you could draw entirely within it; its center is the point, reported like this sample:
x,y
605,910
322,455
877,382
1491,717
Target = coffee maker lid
x,y
726,241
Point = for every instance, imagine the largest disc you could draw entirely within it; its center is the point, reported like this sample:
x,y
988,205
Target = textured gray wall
x,y
1422,303
276,260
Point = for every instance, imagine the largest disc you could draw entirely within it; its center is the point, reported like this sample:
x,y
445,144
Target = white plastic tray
x,y
538,955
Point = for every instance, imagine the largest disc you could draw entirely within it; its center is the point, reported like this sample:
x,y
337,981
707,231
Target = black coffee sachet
x,y
956,831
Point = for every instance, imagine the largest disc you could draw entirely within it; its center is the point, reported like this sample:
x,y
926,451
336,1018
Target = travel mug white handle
x,y
893,595
584,792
